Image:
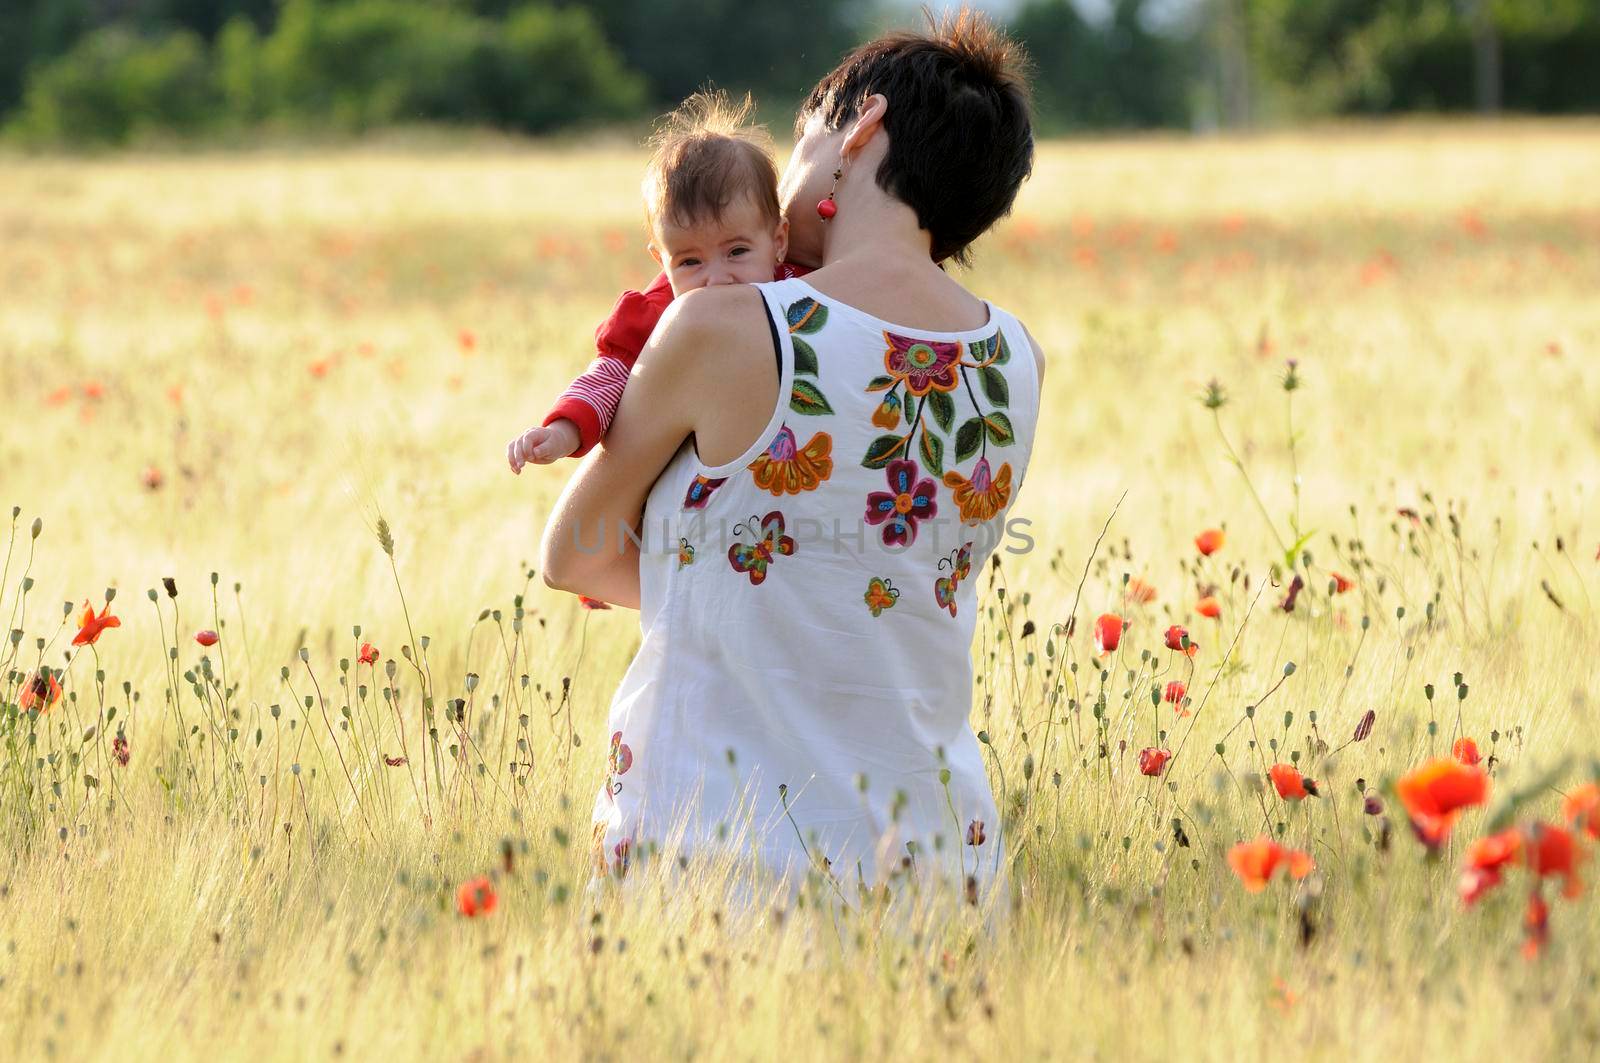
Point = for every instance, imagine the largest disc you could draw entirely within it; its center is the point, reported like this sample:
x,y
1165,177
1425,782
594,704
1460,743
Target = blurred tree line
x,y
113,71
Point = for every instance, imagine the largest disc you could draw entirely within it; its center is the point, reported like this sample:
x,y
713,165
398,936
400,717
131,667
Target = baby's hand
x,y
542,445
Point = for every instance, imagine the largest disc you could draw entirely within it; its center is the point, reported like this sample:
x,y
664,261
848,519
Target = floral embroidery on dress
x,y
770,544
699,492
618,763
787,469
907,501
685,553
806,317
931,373
944,588
881,594
979,497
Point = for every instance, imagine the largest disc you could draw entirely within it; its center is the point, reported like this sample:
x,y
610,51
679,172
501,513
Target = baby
x,y
711,203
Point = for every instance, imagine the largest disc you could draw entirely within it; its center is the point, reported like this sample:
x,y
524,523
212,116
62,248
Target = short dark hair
x,y
960,133
705,155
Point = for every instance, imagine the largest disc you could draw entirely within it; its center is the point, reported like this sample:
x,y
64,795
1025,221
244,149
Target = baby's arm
x,y
583,413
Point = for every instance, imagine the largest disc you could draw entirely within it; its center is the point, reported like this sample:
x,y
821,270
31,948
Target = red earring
x,y
827,208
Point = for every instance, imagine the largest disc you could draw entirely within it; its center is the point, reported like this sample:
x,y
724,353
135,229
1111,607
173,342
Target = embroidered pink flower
x,y
980,497
788,469
923,365
907,501
699,492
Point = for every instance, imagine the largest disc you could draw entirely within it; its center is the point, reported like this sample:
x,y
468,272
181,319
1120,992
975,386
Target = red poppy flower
x,y
476,897
467,341
206,637
119,749
592,603
151,478
1342,583
1108,633
1176,691
1153,761
1290,784
1536,923
1177,635
1485,861
1208,607
1140,592
1581,809
90,626
1466,751
368,654
40,691
1553,852
393,762
1435,793
1255,862
1210,541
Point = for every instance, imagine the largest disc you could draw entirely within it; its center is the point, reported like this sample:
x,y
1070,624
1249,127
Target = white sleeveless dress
x,y
805,677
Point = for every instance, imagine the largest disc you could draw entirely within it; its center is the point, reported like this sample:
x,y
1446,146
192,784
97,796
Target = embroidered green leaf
x,y
807,315
998,426
968,438
994,385
880,383
805,398
932,453
883,450
944,409
805,359
1003,354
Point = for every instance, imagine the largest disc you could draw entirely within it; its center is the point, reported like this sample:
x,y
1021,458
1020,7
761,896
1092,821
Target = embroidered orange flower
x,y
476,897
1435,793
1290,784
1140,592
1153,761
369,654
40,691
1485,861
1465,750
206,637
980,497
1178,639
887,415
1581,809
1208,607
1108,633
1256,862
787,469
90,626
1210,541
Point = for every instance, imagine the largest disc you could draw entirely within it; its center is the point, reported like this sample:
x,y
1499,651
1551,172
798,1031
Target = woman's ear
x,y
780,240
865,124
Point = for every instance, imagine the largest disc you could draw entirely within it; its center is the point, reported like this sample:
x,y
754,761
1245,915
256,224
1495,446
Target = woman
x,y
814,525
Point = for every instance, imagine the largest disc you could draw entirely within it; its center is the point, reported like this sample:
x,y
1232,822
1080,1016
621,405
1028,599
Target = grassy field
x,y
225,369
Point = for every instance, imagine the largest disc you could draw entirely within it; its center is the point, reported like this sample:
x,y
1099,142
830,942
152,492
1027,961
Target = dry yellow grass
x,y
277,338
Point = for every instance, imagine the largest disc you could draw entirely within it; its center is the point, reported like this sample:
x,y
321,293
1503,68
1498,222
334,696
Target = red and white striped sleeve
x,y
591,401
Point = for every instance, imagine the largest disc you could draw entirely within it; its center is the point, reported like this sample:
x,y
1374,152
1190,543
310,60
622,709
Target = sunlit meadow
x,y
265,397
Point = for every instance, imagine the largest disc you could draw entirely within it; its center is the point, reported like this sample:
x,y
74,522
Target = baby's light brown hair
x,y
706,155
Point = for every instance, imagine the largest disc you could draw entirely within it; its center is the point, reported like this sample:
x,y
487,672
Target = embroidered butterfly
x,y
699,492
944,588
881,594
685,553
754,559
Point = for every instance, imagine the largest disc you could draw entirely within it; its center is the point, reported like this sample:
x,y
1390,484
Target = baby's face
x,y
741,247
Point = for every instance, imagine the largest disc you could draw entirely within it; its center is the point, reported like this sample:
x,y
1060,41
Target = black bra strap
x,y
777,347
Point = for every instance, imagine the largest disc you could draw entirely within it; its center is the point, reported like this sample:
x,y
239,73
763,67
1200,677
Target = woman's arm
x,y
696,375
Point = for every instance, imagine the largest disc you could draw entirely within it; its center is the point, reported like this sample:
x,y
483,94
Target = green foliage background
x,y
110,72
